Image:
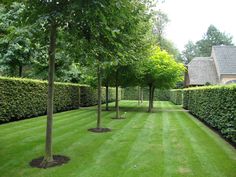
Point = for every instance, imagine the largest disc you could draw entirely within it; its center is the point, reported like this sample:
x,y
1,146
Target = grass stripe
x,y
109,153
198,147
167,142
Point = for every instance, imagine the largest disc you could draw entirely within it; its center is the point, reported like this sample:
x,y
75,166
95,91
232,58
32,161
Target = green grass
x,y
166,143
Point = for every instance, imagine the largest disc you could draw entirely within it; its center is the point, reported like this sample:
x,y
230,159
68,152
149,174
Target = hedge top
x,y
25,80
233,86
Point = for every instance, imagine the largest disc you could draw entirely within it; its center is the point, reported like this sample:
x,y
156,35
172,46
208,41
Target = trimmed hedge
x,y
25,98
89,95
215,105
162,95
176,96
131,93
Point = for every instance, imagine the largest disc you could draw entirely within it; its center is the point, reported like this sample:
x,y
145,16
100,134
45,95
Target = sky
x,y
189,19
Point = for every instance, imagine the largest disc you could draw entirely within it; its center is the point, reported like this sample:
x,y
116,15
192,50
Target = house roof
x,y
202,70
225,59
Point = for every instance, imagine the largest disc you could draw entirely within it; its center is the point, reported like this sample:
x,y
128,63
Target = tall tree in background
x,y
190,51
203,47
160,21
212,37
16,47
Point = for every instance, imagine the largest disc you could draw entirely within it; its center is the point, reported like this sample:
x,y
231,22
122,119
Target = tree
x,y
160,21
161,71
123,76
107,81
56,15
111,34
203,47
190,51
169,47
98,28
212,37
16,47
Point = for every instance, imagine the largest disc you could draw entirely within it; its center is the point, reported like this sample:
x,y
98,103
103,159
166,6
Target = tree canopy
x,y
86,41
161,71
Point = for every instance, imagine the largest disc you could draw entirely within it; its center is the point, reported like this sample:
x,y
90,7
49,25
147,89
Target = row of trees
x,y
77,38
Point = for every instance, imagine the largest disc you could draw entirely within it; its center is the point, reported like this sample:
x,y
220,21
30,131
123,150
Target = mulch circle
x,y
57,161
99,130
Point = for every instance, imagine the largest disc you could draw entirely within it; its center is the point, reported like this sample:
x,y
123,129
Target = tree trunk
x,y
20,70
141,95
150,99
153,89
99,98
107,97
48,158
117,95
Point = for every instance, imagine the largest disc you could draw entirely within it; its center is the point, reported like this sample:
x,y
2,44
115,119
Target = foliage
x,y
190,51
24,98
176,96
88,96
160,21
16,97
24,47
162,95
161,70
16,47
215,105
57,15
212,37
168,46
131,93
203,47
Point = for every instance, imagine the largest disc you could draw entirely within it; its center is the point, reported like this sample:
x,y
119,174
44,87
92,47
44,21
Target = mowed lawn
x,y
166,143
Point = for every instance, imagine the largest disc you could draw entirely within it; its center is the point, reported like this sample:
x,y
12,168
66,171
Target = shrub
x,y
162,95
131,93
89,95
176,96
23,98
215,105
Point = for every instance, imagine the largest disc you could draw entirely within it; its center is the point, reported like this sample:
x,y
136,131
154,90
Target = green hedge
x,y
176,96
89,95
25,98
214,105
131,93
162,95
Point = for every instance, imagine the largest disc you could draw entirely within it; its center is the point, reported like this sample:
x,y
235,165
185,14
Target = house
x,y
219,69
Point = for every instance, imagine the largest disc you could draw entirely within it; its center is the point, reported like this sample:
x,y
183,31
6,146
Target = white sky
x,y
189,19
